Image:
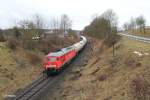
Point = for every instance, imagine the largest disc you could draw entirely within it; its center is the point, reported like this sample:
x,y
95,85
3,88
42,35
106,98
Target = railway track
x,y
33,89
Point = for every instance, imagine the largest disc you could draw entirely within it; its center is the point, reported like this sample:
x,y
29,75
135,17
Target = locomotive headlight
x,y
50,66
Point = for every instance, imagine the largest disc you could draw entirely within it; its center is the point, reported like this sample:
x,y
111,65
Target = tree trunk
x,y
144,29
113,50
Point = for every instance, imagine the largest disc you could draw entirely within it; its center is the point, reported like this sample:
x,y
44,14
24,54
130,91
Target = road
x,y
138,38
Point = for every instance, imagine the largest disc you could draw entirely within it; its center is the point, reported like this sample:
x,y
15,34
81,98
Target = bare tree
x,y
112,36
16,33
126,26
30,29
132,24
140,21
39,24
111,16
38,21
55,25
104,27
26,24
112,19
65,23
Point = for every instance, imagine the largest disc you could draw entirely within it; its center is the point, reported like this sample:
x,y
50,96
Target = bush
x,y
48,44
140,88
131,61
54,42
12,43
34,58
2,38
16,32
29,44
102,77
112,39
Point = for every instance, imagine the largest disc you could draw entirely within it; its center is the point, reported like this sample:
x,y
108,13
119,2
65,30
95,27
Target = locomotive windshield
x,y
52,59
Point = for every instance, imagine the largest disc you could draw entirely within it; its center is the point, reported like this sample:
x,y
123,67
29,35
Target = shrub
x,y
133,62
112,39
12,43
54,42
2,38
102,77
34,58
140,88
47,44
16,32
130,60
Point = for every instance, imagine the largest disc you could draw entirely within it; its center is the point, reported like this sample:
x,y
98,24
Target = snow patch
x,y
141,54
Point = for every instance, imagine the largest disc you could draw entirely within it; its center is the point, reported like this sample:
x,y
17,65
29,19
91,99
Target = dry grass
x,y
12,43
138,32
14,69
140,88
2,38
34,58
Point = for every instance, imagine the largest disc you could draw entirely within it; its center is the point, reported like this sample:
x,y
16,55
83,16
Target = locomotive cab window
x,y
52,59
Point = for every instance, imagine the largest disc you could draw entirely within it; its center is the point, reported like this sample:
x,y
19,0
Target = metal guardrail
x,y
138,38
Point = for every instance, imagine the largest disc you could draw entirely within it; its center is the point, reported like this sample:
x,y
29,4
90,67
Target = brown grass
x,y
34,58
138,32
2,39
132,62
102,77
140,88
13,74
12,43
129,61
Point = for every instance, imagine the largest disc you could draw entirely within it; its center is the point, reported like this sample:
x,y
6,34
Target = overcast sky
x,y
79,11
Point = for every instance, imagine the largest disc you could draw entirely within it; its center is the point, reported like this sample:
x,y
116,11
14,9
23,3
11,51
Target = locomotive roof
x,y
55,53
61,52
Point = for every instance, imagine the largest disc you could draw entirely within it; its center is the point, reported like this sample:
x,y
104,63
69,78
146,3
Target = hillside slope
x,y
15,70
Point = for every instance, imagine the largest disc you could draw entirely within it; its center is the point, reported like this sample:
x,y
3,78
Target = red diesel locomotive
x,y
54,61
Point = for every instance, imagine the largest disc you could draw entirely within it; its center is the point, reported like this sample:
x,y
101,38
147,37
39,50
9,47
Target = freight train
x,y
55,61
